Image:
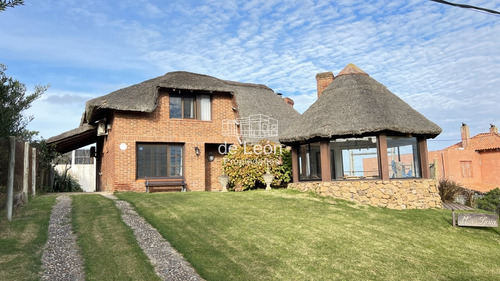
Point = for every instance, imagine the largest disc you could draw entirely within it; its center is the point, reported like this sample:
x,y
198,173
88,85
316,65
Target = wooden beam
x,y
423,155
324,148
383,161
295,163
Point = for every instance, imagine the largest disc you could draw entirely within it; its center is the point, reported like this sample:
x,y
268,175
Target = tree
x,y
4,4
14,101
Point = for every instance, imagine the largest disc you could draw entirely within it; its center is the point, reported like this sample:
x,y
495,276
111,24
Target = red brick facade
x,y
117,171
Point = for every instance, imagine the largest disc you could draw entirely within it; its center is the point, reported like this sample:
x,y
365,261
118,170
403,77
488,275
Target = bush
x,y
65,183
449,190
490,201
246,165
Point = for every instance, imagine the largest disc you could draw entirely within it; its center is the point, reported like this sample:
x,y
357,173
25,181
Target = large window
x,y
354,158
309,162
402,154
159,160
190,106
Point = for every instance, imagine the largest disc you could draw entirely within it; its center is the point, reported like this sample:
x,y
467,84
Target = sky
x,y
444,61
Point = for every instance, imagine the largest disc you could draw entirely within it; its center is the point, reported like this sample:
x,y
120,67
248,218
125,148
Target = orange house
x,y
473,162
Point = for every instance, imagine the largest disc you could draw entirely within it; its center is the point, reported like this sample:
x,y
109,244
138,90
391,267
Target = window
x,y
82,156
402,153
190,106
466,167
354,158
159,160
309,162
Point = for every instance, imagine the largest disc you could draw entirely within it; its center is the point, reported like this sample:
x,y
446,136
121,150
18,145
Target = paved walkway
x,y
61,259
168,263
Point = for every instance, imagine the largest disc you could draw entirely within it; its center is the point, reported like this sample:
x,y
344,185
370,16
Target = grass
x,y
286,235
22,239
108,245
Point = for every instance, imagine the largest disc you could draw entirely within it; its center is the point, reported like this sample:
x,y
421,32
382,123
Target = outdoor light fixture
x,y
211,157
197,151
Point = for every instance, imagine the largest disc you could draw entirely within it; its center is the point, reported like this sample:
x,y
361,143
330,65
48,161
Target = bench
x,y
167,183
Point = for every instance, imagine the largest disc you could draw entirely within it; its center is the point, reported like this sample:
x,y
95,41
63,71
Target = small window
x,y
190,106
159,160
82,157
466,167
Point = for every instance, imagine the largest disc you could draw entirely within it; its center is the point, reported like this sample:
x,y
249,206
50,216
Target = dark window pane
x,y
175,107
188,107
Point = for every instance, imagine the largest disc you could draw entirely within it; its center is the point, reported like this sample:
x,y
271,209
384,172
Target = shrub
x,y
449,190
490,201
65,183
246,165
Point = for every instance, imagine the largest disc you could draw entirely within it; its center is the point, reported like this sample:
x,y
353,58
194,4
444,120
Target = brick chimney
x,y
493,129
323,80
289,101
464,130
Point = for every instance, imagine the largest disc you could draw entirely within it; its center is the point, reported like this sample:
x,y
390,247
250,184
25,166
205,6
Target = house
x,y
357,118
173,126
473,162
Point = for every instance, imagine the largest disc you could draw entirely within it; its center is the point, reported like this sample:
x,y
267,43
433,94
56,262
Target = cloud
x,y
441,60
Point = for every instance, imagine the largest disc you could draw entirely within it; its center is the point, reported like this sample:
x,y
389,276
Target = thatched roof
x,y
355,104
74,139
251,99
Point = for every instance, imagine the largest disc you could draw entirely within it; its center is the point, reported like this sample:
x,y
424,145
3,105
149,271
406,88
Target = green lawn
x,y
22,239
108,245
287,235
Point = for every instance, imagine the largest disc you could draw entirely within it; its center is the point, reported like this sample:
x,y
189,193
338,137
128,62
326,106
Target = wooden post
x,y
382,156
10,182
33,171
424,161
453,217
26,169
295,163
324,148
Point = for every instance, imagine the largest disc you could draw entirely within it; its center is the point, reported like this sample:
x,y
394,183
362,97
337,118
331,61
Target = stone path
x,y
168,263
60,259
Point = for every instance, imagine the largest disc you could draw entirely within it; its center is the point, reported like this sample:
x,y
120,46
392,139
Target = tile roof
x,y
481,142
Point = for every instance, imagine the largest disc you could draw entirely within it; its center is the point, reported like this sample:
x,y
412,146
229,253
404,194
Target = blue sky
x,y
444,61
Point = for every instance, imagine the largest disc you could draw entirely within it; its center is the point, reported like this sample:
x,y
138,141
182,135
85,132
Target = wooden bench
x,y
166,183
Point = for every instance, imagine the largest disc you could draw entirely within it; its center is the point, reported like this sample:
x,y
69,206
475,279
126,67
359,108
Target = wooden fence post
x,y
33,171
10,182
26,169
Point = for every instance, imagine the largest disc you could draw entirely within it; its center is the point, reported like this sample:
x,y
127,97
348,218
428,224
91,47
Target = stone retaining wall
x,y
392,194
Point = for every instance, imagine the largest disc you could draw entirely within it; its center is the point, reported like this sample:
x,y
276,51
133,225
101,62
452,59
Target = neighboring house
x,y
81,166
171,126
356,118
473,162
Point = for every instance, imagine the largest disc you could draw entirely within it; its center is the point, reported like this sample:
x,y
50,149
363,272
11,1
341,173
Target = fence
x,y
19,174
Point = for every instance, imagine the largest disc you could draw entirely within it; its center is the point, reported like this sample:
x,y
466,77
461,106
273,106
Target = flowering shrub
x,y
246,165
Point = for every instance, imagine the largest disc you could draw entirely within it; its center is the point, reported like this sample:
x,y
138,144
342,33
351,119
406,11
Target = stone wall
x,y
392,194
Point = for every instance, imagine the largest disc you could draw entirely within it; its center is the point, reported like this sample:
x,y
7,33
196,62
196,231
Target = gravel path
x,y
60,259
168,263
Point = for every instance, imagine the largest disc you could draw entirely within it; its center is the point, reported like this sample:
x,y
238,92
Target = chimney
x,y
323,80
464,130
493,129
289,101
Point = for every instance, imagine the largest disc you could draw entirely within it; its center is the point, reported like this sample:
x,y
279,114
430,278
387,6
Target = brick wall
x,y
119,166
